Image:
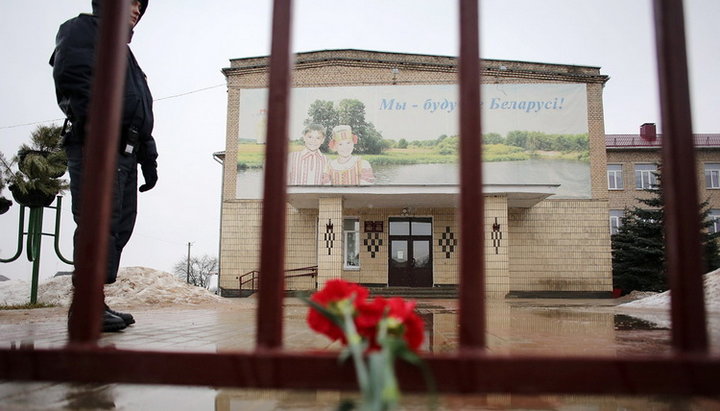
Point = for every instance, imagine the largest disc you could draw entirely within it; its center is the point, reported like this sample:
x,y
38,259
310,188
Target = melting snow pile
x,y
135,286
662,300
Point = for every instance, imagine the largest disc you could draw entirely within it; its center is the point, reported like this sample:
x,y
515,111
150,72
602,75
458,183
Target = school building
x,y
633,161
546,214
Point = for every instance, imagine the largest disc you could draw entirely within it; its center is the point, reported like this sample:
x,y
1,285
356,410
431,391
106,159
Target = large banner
x,y
532,134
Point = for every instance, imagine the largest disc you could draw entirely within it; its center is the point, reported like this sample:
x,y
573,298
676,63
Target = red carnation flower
x,y
329,296
369,315
403,321
409,325
341,301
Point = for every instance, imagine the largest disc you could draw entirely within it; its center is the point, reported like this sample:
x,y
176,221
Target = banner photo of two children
x,y
408,134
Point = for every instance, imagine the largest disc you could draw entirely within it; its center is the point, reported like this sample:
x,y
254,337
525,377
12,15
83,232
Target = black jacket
x,y
73,61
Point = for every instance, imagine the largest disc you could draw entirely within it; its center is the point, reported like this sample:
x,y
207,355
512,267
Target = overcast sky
x,y
183,44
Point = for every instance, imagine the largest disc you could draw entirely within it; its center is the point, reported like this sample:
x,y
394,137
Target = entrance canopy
x,y
431,196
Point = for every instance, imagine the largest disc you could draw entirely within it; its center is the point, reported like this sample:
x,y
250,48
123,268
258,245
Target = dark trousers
x,y
124,204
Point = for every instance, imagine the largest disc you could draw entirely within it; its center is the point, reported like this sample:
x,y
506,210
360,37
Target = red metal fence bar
x,y
472,372
472,231
272,257
682,221
99,159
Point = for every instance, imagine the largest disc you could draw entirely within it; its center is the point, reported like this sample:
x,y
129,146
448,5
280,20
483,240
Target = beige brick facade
x,y
628,158
596,135
560,245
553,246
240,243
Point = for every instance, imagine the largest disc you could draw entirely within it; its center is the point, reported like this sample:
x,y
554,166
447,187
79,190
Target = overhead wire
x,y
157,99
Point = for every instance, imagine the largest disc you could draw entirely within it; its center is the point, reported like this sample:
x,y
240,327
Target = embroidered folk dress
x,y
307,167
355,171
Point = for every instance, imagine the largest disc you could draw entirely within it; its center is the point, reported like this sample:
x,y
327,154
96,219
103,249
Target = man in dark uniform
x,y
73,65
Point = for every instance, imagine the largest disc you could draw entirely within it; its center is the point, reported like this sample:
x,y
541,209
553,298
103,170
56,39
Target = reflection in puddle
x,y
567,328
533,327
35,396
236,399
519,328
90,397
625,323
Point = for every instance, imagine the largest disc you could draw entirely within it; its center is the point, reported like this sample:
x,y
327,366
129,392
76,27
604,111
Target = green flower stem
x,y
390,390
375,399
355,345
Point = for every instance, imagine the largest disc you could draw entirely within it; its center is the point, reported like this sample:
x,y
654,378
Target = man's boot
x,y
127,318
112,322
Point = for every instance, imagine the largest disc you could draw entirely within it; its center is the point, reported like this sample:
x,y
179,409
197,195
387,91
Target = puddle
x,y
22,396
628,323
569,328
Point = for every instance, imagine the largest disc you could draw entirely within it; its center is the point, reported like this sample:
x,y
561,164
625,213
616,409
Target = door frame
x,y
409,238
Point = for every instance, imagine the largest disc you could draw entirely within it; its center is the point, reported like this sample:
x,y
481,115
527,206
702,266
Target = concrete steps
x,y
375,291
414,292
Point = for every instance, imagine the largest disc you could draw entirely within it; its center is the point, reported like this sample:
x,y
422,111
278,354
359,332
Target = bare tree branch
x,y
201,269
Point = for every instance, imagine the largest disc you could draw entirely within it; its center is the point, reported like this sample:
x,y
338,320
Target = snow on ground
x,y
11,292
135,286
662,300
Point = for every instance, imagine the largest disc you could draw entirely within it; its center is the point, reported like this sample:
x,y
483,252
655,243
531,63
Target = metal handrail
x,y
310,271
254,274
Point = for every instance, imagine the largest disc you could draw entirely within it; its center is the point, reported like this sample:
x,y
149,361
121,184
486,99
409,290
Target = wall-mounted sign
x,y
533,134
373,226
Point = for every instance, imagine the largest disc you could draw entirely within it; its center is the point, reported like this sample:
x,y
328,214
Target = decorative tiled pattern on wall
x,y
447,242
373,242
496,236
329,239
329,236
497,271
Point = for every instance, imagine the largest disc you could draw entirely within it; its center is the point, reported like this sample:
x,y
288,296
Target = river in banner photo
x,y
573,176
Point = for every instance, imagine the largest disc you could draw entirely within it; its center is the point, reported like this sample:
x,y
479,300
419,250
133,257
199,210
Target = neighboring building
x,y
545,219
633,159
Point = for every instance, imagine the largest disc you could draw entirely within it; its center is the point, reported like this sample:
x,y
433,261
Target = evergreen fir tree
x,y
638,248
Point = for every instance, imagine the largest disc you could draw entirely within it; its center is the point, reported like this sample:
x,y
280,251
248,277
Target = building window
x,y
615,177
712,175
645,177
351,242
714,216
615,220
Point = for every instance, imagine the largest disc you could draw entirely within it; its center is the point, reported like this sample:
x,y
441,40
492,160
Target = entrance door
x,y
410,262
